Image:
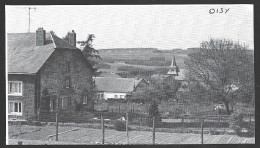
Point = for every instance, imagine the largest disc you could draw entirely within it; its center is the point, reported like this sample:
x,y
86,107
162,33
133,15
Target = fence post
x,y
182,124
127,127
20,143
103,130
57,124
119,107
38,115
140,120
153,131
133,108
202,124
27,116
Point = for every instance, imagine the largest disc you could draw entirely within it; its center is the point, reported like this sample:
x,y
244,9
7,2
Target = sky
x,y
139,26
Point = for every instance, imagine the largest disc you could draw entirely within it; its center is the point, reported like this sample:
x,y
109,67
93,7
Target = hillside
x,y
131,62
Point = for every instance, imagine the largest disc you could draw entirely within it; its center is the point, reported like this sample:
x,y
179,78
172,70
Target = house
x,y
116,88
41,63
108,74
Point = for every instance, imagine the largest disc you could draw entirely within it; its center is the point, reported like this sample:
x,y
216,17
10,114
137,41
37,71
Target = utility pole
x,y
127,135
29,17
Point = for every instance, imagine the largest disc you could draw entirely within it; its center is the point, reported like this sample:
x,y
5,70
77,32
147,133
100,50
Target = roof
x,y
159,77
23,54
180,76
110,84
104,74
24,57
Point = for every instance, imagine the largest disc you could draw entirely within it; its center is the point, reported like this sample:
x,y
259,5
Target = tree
x,y
89,51
222,70
66,38
154,112
157,90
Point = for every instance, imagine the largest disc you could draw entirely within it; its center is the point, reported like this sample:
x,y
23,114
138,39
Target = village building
x,y
117,88
42,64
108,74
174,73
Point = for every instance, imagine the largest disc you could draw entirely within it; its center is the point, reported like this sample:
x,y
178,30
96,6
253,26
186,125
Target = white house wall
x,y
108,95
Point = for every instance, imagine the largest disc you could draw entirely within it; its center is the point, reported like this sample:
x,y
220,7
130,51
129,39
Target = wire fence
x,y
134,118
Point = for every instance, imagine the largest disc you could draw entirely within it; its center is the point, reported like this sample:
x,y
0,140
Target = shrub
x,y
120,125
236,121
157,122
154,112
214,132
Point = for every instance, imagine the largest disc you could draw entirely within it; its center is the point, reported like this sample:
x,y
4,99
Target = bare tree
x,y
223,68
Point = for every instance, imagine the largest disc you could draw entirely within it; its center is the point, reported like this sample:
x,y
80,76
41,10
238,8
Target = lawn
x,y
94,136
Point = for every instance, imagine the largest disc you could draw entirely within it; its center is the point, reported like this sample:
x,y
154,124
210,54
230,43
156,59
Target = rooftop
x,y
24,57
110,84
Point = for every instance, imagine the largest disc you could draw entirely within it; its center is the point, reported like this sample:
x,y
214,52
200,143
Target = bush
x,y
236,121
157,122
120,125
245,132
154,112
214,132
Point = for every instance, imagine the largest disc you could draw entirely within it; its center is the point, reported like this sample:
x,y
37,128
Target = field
x,y
140,60
81,135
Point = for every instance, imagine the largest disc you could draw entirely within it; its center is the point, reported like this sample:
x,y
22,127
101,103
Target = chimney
x,y
40,37
72,38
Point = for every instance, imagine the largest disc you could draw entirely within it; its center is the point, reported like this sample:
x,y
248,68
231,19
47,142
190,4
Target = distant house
x,y
116,88
108,74
39,62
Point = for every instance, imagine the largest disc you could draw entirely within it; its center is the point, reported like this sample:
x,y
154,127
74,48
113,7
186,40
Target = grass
x,y
141,56
94,136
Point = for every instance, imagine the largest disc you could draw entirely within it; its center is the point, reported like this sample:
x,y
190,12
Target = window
x,y
15,108
102,96
69,102
85,99
122,96
53,104
116,96
67,82
15,88
67,66
60,103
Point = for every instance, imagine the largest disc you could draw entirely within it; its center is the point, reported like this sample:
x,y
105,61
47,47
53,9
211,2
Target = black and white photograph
x,y
130,74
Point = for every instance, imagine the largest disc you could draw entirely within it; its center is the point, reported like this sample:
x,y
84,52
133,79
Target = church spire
x,y
173,62
174,69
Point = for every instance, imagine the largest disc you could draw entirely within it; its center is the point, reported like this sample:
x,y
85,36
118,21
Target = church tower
x,y
174,69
